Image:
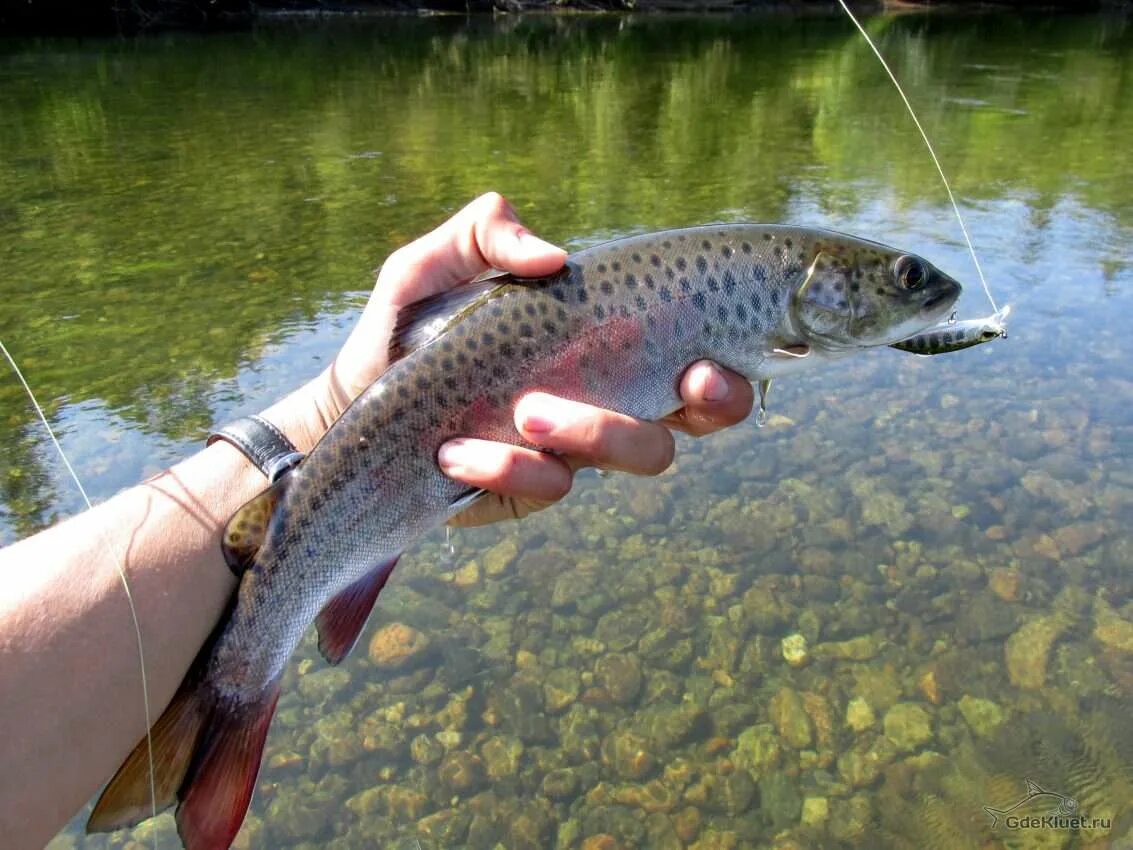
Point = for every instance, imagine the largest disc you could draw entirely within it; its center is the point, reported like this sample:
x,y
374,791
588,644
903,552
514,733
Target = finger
x,y
485,234
714,398
598,437
507,470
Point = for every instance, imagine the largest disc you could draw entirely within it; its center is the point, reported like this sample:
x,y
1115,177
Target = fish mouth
x,y
941,301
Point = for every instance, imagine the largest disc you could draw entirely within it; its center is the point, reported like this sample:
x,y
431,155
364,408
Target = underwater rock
x,y
499,558
461,772
531,827
862,766
501,755
861,648
908,726
319,687
620,675
425,750
668,726
570,587
757,750
621,629
1027,651
560,689
850,818
448,827
714,839
397,646
561,785
517,707
627,753
601,841
1073,540
815,811
985,618
795,650
653,796
1111,628
779,800
788,714
763,610
983,716
660,834
687,823
397,801
1004,582
860,715
731,795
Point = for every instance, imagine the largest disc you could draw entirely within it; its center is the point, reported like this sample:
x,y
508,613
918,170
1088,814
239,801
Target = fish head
x,y
858,294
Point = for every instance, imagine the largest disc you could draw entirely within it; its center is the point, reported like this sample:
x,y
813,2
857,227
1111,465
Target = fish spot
x,y
528,352
487,338
759,273
855,286
529,309
640,302
561,314
789,242
623,311
880,290
746,247
756,302
650,283
655,261
667,244
606,287
497,311
503,328
636,257
726,251
402,392
447,364
699,301
706,245
682,264
583,296
708,329
471,344
550,327
722,313
461,358
601,268
506,349
599,311
730,282
516,314
741,312
557,293
767,237
525,330
615,266
665,294
713,284
650,321
631,281
447,346
701,264
450,383
685,284
669,273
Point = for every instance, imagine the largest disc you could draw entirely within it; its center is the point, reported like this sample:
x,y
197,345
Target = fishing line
x,y
117,565
931,150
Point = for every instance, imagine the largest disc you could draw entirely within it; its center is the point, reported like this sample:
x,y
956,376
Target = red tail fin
x,y
216,791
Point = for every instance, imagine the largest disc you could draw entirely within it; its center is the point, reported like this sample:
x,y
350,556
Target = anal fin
x,y
343,617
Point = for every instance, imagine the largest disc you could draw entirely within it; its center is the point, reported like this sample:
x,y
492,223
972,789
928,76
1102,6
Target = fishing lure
x,y
956,336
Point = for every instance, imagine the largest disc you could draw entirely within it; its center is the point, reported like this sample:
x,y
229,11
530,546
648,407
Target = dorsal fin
x,y
421,322
245,532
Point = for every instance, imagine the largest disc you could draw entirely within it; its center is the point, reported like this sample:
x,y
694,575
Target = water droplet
x,y
761,417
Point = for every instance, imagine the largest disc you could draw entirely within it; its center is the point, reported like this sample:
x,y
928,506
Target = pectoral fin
x,y
247,530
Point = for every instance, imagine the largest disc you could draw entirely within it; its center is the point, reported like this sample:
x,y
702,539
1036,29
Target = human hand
x,y
487,234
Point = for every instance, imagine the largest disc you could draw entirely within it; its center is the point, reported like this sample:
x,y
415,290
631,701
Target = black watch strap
x,y
262,443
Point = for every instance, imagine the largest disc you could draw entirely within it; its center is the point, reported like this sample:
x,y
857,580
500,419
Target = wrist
x,y
307,413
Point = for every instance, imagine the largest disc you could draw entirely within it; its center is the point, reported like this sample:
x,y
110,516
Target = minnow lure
x,y
956,336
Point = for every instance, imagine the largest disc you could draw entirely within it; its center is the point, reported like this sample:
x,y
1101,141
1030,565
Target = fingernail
x,y
533,243
528,417
716,386
453,455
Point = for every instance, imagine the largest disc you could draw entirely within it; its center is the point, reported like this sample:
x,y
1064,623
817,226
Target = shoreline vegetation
x,y
129,17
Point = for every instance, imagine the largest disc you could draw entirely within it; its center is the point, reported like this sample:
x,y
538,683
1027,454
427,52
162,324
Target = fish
x,y
615,327
1064,806
956,336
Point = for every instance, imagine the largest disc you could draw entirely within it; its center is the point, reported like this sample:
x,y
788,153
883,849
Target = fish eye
x,y
910,273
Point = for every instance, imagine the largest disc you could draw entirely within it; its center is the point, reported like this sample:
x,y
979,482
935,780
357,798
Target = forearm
x,y
71,706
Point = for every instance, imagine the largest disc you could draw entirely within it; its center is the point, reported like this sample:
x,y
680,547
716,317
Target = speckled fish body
x,y
956,336
616,328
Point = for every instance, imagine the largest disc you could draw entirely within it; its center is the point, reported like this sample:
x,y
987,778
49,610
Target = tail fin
x,y
995,815
206,753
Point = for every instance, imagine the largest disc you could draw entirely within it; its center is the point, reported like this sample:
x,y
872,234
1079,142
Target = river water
x,y
189,225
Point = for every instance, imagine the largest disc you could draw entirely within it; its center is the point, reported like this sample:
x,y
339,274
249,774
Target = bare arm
x,y
70,681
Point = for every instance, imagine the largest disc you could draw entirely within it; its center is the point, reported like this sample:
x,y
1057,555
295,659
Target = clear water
x,y
188,226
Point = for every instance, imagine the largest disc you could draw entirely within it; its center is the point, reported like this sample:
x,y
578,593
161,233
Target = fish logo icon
x,y
1063,806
